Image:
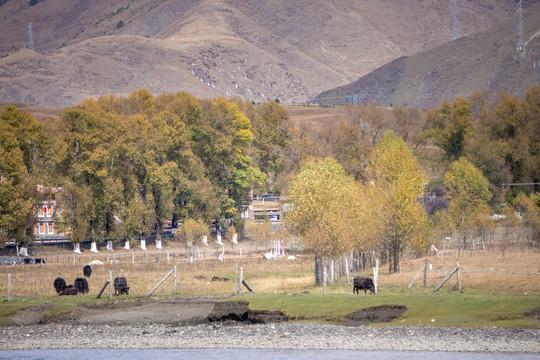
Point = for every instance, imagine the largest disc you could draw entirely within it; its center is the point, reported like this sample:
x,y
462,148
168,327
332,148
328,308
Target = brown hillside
x,y
247,48
485,61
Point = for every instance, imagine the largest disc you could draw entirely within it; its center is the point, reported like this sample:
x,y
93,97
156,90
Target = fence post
x,y
241,279
110,284
133,257
102,289
10,289
175,279
347,270
74,259
161,282
236,280
457,274
425,273
376,276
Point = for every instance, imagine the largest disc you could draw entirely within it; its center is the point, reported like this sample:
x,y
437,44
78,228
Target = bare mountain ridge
x,y
487,61
253,49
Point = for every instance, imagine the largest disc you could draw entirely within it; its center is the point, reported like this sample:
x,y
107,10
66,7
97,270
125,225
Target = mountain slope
x,y
484,61
253,49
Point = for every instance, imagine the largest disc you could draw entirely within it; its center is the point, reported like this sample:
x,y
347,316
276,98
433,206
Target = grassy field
x,y
496,290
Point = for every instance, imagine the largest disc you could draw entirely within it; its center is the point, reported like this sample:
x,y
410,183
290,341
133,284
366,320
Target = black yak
x,y
87,270
59,285
363,283
120,286
69,290
81,284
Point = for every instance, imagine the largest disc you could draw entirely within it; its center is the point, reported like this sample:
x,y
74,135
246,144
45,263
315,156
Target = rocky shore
x,y
269,336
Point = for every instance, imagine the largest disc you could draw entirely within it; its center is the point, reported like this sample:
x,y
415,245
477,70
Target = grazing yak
x,y
87,270
59,285
120,286
363,283
69,290
81,284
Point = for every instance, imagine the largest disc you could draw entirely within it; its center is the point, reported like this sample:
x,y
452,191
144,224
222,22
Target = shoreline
x,y
301,336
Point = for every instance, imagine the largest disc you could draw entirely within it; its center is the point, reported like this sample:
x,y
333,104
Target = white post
x,y
133,258
23,251
168,257
74,259
376,276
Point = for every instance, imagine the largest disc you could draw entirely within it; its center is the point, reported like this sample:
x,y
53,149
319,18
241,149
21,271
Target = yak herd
x,y
80,286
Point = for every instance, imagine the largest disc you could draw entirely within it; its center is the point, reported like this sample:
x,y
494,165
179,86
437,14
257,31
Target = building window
x,y
51,228
41,228
50,210
40,212
35,229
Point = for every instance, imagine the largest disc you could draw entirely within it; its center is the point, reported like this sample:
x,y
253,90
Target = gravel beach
x,y
269,336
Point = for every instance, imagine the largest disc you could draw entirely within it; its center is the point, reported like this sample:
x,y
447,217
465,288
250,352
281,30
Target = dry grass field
x,y
516,272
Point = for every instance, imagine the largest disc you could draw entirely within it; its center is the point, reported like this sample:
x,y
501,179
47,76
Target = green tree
x,y
22,147
468,190
452,128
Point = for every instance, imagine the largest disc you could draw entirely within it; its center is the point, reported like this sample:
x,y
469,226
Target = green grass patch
x,y
60,309
450,308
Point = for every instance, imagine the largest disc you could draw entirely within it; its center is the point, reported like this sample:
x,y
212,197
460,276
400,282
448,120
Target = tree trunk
x,y
318,270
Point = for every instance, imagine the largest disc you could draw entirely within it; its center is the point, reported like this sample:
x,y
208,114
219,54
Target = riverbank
x,y
269,336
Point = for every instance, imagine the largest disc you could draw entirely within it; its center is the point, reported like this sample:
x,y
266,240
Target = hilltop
x,y
487,61
251,49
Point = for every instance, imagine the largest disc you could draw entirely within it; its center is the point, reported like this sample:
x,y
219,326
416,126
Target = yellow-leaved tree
x,y
322,195
398,181
468,191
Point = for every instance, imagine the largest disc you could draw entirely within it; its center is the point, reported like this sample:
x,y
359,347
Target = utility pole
x,y
30,37
455,27
520,44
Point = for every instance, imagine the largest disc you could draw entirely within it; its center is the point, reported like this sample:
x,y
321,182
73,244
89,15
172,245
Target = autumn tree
x,y
468,190
398,180
22,147
452,127
319,195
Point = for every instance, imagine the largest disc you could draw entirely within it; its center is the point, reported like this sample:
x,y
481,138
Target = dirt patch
x,y
534,315
238,311
31,315
383,313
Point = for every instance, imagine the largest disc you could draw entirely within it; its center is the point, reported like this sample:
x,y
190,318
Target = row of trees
x,y
128,165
